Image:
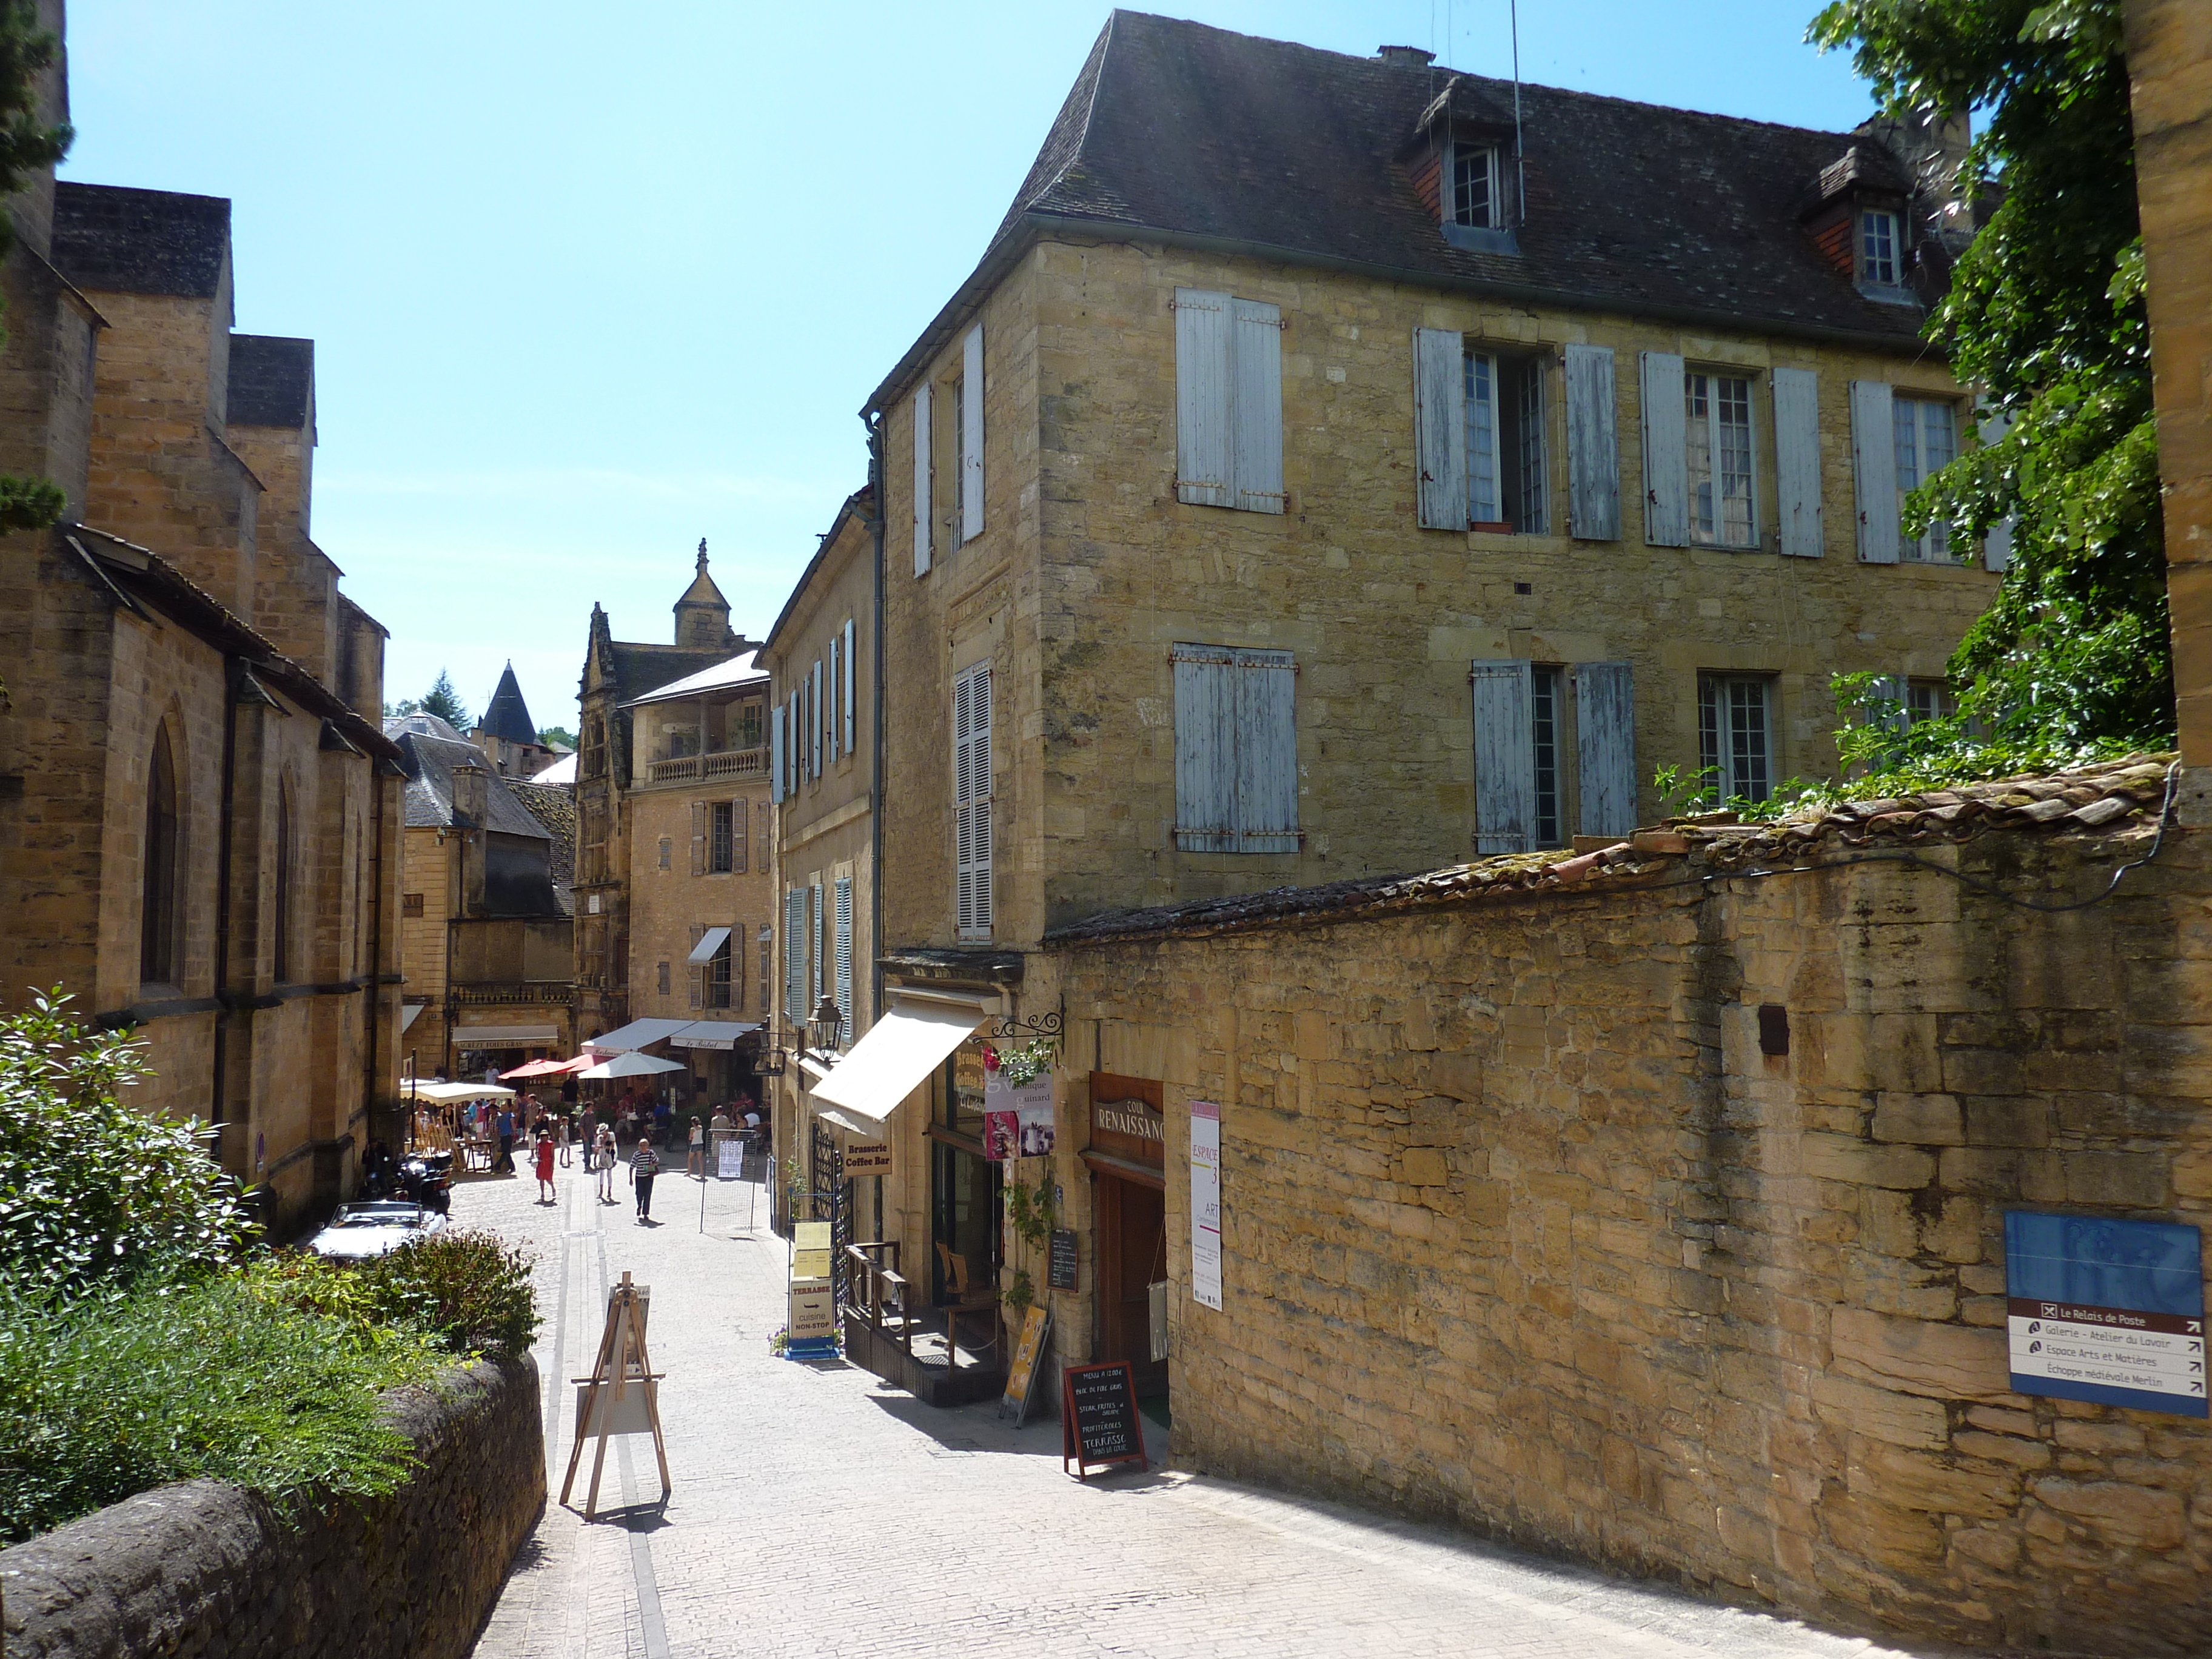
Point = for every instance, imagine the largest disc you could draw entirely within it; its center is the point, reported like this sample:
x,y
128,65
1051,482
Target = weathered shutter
x,y
844,957
739,821
1874,471
698,837
1593,447
971,435
849,724
1206,748
776,742
923,483
1605,746
1201,397
1440,427
814,720
971,800
1255,459
818,941
1797,460
834,691
1893,689
1997,540
794,954
696,974
1265,686
1504,757
1666,452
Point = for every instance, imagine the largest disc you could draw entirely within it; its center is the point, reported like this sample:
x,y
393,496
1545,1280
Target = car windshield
x,y
379,1215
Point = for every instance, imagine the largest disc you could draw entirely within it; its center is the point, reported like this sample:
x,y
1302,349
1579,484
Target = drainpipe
x,y
225,807
876,813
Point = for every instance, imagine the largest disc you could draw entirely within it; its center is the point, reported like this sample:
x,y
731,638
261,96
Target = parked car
x,y
358,1231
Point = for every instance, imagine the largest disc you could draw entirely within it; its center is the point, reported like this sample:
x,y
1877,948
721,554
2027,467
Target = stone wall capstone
x,y
203,1571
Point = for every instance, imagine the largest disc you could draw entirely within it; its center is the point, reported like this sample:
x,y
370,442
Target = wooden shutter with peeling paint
x,y
923,484
1255,458
1206,748
1504,757
1666,453
1593,446
1798,461
1605,747
1874,471
1265,686
971,436
1440,427
1201,397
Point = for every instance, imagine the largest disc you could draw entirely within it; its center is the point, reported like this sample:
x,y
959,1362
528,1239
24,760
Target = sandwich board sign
x,y
1021,1375
2106,1311
1098,1417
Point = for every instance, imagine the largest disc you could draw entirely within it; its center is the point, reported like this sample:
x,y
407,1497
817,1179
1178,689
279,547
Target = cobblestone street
x,y
817,1512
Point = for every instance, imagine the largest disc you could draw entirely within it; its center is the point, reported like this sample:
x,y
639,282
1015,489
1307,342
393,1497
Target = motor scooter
x,y
426,1178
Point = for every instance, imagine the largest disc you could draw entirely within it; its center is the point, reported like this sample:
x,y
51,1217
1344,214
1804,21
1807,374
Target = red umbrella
x,y
550,1067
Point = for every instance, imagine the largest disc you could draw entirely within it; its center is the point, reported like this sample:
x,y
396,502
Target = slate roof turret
x,y
507,717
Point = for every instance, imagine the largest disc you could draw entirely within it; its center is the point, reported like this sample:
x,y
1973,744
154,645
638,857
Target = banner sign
x,y
1018,1119
1205,1203
2106,1311
867,1158
730,1159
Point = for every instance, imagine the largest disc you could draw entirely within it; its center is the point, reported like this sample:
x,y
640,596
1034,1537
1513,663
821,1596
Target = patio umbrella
x,y
630,1065
550,1067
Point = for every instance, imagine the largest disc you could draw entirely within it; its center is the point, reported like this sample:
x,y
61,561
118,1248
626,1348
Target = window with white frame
x,y
1927,700
1735,739
1717,443
1237,751
721,986
1879,248
1926,430
1476,194
1507,479
971,801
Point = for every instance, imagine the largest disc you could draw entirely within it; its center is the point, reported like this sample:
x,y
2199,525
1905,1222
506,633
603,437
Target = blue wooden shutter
x,y
1504,756
794,954
850,679
1605,747
814,720
1874,471
844,954
971,436
1797,460
1201,397
1593,445
1264,687
1440,427
833,689
923,485
1206,748
775,753
817,927
1666,454
1255,459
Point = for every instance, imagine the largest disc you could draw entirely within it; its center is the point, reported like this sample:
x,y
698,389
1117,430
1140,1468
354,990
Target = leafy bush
x,y
93,1192
266,1376
470,1290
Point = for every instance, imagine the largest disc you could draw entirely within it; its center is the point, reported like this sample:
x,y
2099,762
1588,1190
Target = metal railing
x,y
558,992
878,1291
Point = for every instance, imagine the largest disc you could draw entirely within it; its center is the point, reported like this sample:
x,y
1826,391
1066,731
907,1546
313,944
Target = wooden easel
x,y
621,1363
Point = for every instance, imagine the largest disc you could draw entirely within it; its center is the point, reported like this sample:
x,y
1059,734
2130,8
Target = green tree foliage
x,y
26,146
94,1193
2046,314
470,1288
556,736
445,703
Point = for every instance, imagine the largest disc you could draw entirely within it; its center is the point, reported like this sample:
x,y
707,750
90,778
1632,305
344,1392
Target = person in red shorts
x,y
543,1158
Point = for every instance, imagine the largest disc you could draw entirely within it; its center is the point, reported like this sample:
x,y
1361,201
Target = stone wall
x,y
1522,1227
202,1570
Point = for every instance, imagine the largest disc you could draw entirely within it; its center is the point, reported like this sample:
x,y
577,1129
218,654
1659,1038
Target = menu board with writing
x,y
1098,1417
1062,1276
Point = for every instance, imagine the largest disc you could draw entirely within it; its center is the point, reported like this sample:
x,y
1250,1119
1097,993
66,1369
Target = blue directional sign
x,y
2106,1311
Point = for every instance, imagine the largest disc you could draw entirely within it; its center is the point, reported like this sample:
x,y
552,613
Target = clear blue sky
x,y
589,282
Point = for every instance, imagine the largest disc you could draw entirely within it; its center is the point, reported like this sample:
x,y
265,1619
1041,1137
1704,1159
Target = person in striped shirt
x,y
644,1164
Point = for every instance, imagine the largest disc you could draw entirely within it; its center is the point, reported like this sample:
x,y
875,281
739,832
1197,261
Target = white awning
x,y
635,1035
710,1034
407,1010
710,942
900,1050
867,1128
496,1036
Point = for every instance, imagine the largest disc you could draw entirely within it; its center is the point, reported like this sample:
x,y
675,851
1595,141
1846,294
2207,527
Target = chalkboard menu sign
x,y
1098,1417
1063,1259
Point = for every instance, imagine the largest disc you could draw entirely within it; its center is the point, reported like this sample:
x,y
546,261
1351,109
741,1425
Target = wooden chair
x,y
965,1300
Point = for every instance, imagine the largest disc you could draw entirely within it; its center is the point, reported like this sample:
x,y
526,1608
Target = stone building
x,y
615,673
1327,472
508,736
199,816
487,934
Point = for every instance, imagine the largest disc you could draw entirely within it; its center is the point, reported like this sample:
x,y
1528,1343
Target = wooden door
x,y
1132,1254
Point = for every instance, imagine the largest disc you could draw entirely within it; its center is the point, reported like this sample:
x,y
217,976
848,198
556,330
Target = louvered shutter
x,y
1504,757
1255,458
972,772
775,754
1666,453
698,837
835,692
971,436
794,954
1264,685
741,817
849,722
923,480
1874,471
818,945
844,957
1797,460
1440,427
1593,447
1206,748
1997,540
1202,397
814,720
696,975
1605,747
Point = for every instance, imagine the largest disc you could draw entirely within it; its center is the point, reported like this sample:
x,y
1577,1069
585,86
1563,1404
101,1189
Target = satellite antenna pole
x,y
1520,166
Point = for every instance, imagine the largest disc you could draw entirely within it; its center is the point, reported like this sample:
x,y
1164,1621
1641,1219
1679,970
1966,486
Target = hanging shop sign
x,y
867,1157
2106,1311
1061,1274
1098,1417
1018,1119
1205,1203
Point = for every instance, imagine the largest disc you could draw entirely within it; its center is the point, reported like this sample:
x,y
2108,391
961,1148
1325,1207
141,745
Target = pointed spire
x,y
702,614
506,716
703,555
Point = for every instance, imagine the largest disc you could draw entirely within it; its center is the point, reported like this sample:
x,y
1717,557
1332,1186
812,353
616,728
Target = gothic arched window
x,y
157,936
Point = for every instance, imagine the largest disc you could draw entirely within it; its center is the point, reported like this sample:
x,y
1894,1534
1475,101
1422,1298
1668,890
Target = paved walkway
x,y
817,1512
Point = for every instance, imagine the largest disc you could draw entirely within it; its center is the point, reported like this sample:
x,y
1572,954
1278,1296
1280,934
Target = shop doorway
x,y
1132,1257
964,1217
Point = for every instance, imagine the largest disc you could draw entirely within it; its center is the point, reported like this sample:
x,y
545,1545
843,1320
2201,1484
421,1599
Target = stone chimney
x,y
471,806
1406,57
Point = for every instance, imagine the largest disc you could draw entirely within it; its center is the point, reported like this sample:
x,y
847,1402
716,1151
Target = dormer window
x,y
1476,198
1878,248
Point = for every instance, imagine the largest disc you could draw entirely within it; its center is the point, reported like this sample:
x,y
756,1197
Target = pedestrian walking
x,y
644,1164
504,1165
543,1155
604,1152
697,1165
560,1138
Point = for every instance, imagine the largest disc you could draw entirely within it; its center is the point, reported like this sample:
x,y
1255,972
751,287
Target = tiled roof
x,y
555,808
506,715
111,240
430,761
272,381
2113,799
642,668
